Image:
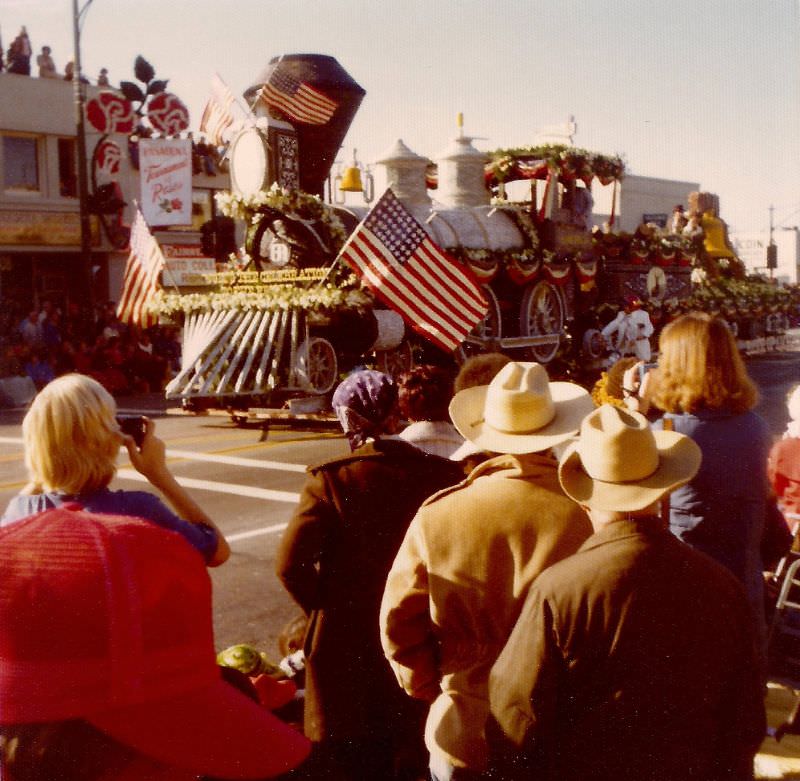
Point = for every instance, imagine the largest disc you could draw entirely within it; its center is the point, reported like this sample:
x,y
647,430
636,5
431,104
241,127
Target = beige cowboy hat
x,y
520,411
619,463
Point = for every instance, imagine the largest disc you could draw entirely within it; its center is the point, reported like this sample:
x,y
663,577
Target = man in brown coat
x,y
333,560
636,657
471,553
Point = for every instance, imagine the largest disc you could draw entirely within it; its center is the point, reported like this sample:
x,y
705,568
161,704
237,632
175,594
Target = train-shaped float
x,y
286,320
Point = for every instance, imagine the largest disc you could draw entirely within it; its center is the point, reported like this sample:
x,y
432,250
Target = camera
x,y
644,368
134,426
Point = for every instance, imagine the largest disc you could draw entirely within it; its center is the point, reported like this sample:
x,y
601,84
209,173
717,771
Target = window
x,y
20,163
67,168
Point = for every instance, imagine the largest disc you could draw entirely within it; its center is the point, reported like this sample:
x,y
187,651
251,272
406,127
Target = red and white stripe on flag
x,y
394,256
298,99
221,112
142,270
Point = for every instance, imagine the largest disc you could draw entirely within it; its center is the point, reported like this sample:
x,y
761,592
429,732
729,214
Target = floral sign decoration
x,y
168,114
110,113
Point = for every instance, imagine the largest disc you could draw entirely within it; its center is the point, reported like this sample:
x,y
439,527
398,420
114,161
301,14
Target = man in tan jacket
x,y
462,573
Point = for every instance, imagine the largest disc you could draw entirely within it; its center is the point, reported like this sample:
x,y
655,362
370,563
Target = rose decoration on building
x,y
110,113
107,156
167,113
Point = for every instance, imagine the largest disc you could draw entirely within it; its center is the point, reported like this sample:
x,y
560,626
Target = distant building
x,y
752,250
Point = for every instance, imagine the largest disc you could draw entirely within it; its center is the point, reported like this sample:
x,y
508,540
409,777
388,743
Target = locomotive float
x,y
286,319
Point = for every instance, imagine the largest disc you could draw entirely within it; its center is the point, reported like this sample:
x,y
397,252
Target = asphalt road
x,y
250,485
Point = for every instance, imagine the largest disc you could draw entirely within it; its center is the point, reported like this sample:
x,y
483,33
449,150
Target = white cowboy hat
x,y
520,411
619,463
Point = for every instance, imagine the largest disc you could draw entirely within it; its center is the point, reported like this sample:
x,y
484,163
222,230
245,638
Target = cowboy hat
x,y
619,463
520,411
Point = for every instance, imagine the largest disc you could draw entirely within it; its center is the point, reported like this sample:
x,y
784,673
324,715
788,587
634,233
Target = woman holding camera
x,y
702,388
72,439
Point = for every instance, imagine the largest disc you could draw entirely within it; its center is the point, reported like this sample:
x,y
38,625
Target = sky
x,y
705,91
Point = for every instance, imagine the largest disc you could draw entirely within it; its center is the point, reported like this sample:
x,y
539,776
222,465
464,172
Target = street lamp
x,y
80,132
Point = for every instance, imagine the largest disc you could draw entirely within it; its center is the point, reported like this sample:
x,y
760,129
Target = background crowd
x,y
49,341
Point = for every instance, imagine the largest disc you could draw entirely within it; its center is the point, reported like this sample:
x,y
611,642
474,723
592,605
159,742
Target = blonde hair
x,y
71,436
699,367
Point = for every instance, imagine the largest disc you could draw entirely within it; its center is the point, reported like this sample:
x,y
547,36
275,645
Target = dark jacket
x,y
633,659
721,510
333,559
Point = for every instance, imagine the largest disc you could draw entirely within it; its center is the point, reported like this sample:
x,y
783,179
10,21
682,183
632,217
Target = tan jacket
x,y
458,584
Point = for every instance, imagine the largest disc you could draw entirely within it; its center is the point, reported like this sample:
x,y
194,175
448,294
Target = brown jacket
x,y
633,659
458,584
333,560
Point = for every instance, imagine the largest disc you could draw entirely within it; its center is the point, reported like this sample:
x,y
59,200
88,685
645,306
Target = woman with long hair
x,y
702,387
72,440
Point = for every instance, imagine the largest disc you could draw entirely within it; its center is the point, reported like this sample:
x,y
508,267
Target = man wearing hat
x,y
461,575
636,657
107,661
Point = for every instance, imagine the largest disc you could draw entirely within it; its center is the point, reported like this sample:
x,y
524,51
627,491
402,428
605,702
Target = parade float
x,y
285,320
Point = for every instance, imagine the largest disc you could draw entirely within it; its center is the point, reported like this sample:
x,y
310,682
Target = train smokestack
x,y
318,144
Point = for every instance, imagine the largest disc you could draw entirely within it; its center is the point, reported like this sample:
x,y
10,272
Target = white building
x,y
752,249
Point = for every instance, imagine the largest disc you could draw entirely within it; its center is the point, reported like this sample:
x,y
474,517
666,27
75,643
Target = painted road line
x,y
236,461
191,455
271,495
278,527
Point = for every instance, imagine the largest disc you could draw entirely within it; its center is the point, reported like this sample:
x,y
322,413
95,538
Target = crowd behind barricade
x,y
47,342
528,581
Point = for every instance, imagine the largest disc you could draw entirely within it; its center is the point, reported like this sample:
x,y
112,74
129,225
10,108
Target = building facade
x,y
40,238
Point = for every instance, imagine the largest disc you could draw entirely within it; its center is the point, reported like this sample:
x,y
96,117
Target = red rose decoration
x,y
107,158
176,203
110,113
167,114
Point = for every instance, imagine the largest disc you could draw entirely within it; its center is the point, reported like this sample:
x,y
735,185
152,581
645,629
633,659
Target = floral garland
x,y
273,298
504,163
303,205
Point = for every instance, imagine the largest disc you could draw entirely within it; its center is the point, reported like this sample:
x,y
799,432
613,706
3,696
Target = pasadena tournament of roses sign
x,y
165,169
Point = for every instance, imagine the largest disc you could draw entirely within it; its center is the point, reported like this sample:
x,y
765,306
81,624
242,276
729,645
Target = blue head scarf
x,y
364,403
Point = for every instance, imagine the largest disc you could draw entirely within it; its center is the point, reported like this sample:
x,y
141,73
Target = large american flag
x,y
394,256
145,263
221,113
297,99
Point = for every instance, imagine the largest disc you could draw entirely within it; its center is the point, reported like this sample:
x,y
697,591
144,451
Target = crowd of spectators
x,y
48,341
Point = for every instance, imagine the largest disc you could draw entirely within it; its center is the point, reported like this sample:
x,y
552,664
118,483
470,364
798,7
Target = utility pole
x,y
87,273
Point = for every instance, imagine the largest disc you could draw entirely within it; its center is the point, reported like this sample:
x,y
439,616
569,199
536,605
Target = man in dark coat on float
x,y
333,560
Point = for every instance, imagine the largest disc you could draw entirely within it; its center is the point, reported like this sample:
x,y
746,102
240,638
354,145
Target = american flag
x,y
141,275
394,256
297,99
221,113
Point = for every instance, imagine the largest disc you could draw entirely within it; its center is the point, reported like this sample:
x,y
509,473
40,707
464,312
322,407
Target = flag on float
x,y
394,256
297,99
221,113
140,282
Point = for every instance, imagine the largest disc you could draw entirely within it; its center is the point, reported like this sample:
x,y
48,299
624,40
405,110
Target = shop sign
x,y
44,228
186,266
165,171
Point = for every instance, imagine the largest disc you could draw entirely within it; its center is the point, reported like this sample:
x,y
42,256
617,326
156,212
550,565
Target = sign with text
x,y
165,172
186,265
45,228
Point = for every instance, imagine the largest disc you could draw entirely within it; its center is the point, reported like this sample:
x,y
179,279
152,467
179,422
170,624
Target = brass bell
x,y
351,180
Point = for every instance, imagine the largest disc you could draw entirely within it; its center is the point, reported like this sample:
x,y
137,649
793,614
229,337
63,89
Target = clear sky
x,y
706,91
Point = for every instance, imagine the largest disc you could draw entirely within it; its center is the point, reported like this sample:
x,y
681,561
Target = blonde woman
x,y
701,385
72,440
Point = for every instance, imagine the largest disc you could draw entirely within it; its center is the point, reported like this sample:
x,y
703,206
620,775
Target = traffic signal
x,y
772,256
